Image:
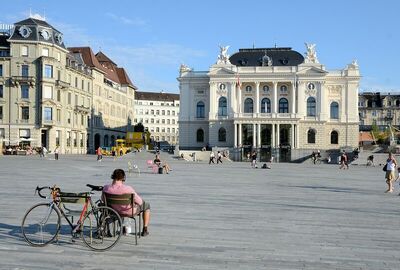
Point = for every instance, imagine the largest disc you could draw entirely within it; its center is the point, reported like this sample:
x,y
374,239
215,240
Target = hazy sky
x,y
152,38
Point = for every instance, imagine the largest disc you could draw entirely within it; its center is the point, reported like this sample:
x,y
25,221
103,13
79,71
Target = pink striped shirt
x,y
120,188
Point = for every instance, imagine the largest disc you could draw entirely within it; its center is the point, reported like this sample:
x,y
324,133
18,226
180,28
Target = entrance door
x,y
44,138
96,141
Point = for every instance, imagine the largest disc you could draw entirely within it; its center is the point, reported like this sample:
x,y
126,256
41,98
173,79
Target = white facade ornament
x,y
59,38
266,60
354,64
25,31
311,54
223,57
184,68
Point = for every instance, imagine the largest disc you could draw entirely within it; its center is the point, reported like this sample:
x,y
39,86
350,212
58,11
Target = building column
x,y
231,99
258,135
292,136
278,140
211,111
273,136
257,107
301,97
239,98
254,135
275,97
323,102
235,135
293,98
297,136
240,135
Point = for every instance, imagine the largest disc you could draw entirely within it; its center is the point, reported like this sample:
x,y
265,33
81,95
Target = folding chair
x,y
152,166
112,200
132,167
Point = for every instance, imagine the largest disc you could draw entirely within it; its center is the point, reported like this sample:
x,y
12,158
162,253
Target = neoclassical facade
x,y
270,99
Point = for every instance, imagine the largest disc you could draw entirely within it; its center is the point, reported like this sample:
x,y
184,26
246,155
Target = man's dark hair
x,y
118,174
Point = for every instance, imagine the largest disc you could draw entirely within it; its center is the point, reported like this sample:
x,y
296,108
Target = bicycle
x,y
315,160
99,226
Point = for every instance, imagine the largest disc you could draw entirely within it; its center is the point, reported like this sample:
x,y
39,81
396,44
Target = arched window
x,y
222,106
200,135
265,105
311,136
334,137
200,110
283,105
334,110
397,103
222,135
311,105
248,105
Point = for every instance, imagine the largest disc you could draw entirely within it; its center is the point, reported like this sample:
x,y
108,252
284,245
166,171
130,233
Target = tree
x,y
138,128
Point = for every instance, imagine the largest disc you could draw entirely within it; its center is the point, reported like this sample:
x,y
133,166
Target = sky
x,y
151,38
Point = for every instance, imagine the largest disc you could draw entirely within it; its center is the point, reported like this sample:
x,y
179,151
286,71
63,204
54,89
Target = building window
x,y
283,105
25,113
58,56
24,91
311,106
47,92
222,106
222,135
58,137
1,70
265,105
24,70
48,113
48,71
2,133
1,112
69,117
68,138
200,111
200,135
59,95
283,88
1,91
163,112
334,110
248,88
157,129
58,115
75,139
24,51
311,136
69,98
45,52
334,137
248,105
265,88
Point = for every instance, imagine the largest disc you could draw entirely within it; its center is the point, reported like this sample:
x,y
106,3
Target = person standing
x,y
56,151
254,160
219,157
212,157
343,161
391,165
99,154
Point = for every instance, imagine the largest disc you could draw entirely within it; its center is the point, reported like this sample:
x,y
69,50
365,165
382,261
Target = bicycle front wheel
x,y
101,228
41,224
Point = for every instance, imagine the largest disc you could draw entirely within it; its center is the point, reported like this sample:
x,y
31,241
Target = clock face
x,y
45,34
24,31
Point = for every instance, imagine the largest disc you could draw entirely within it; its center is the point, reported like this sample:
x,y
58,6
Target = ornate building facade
x,y
46,91
270,99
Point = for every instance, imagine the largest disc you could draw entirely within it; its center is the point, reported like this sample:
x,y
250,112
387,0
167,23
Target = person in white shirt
x,y
391,165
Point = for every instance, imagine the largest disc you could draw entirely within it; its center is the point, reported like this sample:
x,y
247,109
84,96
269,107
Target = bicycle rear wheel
x,y
101,228
41,224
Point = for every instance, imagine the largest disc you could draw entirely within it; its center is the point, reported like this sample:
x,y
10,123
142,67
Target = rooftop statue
x,y
184,68
223,57
311,54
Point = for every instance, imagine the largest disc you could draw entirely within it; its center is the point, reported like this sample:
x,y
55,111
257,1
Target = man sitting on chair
x,y
117,188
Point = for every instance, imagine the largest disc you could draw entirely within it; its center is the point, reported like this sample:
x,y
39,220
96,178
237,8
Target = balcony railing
x,y
15,80
49,122
265,115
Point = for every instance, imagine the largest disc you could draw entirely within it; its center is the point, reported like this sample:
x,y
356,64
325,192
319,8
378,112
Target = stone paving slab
x,y
229,216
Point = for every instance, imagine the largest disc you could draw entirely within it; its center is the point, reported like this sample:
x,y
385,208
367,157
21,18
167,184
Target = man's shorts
x,y
145,206
390,175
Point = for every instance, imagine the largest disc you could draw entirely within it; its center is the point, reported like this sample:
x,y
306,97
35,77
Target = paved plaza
x,y
229,216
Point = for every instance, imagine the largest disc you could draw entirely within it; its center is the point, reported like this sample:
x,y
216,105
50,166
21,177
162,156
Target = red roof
x,y
105,64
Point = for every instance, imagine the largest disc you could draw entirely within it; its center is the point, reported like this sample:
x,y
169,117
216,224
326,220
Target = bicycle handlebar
x,y
39,189
95,188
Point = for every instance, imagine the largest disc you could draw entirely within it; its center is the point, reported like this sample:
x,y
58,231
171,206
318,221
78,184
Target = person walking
x,y
219,157
56,151
254,160
212,157
343,161
99,154
391,165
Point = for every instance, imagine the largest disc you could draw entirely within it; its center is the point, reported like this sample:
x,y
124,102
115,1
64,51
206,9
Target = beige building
x,y
47,95
112,99
380,109
273,100
158,112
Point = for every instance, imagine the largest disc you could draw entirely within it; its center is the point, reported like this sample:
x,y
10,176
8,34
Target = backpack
x,y
264,166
